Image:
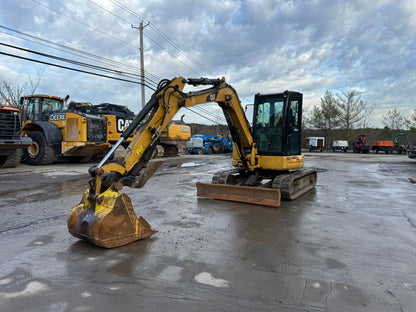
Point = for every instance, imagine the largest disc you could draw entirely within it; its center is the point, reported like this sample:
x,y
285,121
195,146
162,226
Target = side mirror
x,y
247,105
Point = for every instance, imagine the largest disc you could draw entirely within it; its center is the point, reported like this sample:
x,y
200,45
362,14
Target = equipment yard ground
x,y
349,245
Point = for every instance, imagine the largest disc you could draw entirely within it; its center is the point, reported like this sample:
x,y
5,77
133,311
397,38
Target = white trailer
x,y
316,143
340,145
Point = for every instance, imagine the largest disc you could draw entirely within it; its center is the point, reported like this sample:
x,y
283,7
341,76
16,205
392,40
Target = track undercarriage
x,y
263,188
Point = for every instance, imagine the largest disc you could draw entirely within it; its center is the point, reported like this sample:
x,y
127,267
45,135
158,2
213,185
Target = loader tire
x,y
171,151
12,160
39,153
201,151
218,148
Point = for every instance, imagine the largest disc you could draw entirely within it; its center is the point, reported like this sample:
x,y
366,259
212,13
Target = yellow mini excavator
x,y
267,159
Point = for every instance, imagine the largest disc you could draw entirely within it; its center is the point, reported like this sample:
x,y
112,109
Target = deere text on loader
x,y
267,159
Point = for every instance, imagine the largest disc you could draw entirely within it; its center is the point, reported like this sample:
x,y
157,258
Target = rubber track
x,y
221,177
287,182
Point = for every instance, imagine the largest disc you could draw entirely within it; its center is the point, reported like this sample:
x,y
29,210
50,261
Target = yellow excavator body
x,y
266,159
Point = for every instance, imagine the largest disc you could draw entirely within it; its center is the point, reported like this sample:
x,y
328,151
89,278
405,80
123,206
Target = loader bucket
x,y
245,194
109,221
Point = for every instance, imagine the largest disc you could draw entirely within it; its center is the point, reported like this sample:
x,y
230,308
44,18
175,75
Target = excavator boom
x,y
106,217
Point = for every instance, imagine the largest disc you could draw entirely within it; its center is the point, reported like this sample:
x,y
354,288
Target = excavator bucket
x,y
245,194
108,221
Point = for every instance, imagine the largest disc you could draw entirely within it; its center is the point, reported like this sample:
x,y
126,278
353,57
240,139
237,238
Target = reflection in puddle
x,y
42,192
193,164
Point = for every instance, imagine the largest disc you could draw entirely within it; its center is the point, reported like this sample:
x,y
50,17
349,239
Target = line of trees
x,y
347,111
342,110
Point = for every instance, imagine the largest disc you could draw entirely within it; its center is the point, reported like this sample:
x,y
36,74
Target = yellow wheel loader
x,y
267,159
57,132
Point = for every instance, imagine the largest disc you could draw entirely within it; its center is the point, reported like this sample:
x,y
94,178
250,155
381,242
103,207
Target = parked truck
x,y
58,132
11,141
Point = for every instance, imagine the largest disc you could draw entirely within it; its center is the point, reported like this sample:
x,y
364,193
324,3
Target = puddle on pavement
x,y
192,164
40,241
35,193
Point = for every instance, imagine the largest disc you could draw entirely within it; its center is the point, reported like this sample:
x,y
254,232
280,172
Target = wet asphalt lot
x,y
349,245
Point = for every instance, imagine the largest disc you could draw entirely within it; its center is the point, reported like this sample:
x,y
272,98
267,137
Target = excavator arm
x,y
162,108
105,217
133,169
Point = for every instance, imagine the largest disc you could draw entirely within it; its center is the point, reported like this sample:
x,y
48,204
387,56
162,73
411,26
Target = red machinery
x,y
360,146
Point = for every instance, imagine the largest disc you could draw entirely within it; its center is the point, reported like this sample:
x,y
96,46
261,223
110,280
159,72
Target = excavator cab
x,y
276,123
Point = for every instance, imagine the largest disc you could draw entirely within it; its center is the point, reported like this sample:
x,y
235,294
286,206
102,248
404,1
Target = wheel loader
x,y
57,132
267,159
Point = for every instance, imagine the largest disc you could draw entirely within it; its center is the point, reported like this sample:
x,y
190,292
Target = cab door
x,y
277,123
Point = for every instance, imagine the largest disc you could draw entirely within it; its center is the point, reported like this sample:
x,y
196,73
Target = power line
x,y
77,52
113,71
109,12
174,44
84,24
214,121
65,67
131,12
207,112
125,42
98,30
99,75
160,33
164,36
113,37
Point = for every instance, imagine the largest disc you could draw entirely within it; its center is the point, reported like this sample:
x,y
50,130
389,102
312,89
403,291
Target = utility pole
x,y
141,27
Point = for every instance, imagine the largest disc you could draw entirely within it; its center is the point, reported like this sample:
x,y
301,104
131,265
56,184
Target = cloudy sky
x,y
257,45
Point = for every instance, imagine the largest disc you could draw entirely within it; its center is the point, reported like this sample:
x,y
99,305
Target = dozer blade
x,y
245,194
109,221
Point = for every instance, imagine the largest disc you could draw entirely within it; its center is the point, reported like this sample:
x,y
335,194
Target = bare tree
x,y
325,115
351,109
393,119
411,120
35,84
15,92
368,110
